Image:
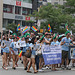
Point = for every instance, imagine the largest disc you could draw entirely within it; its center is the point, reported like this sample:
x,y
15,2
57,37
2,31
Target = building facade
x,y
53,2
1,12
17,11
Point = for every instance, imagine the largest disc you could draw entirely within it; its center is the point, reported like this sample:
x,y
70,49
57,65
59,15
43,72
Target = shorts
x,y
23,53
65,54
32,56
16,52
6,50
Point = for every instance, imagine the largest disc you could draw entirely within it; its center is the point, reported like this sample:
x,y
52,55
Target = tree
x,y
70,6
12,27
54,16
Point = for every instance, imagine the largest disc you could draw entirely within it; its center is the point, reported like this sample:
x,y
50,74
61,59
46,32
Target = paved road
x,y
20,71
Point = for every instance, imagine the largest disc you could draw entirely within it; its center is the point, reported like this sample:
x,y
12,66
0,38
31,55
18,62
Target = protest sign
x,y
72,52
23,44
51,54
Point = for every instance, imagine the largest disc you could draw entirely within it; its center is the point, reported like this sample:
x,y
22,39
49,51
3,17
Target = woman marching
x,y
25,59
55,43
14,52
33,49
5,52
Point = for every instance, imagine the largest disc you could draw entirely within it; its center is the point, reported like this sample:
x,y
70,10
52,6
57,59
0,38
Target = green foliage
x,y
12,27
53,15
70,6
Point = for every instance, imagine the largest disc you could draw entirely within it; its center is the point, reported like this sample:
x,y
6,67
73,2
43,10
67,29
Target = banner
x,y
51,54
23,44
72,52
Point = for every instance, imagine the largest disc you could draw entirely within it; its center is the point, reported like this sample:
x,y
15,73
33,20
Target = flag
x,y
19,39
49,28
18,27
25,30
66,25
34,28
20,54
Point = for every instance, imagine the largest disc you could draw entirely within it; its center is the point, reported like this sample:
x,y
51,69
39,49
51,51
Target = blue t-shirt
x,y
33,47
13,47
55,43
26,47
65,46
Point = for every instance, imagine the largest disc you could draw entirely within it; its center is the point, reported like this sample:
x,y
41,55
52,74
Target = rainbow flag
x,y
18,27
66,25
25,30
34,28
20,54
49,28
19,39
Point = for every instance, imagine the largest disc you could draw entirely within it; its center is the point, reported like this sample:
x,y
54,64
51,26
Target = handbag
x,y
39,51
28,53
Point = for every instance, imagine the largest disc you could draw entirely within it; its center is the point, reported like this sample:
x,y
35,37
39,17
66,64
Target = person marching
x,y
65,42
14,52
55,43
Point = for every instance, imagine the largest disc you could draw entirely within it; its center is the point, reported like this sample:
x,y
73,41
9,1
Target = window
x,y
29,11
23,23
17,22
24,11
17,10
7,8
55,3
27,1
10,21
64,3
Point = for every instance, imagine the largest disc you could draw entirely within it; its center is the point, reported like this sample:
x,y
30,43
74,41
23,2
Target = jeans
x,y
37,61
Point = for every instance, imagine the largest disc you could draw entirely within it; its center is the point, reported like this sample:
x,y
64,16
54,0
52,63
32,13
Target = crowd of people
x,y
30,44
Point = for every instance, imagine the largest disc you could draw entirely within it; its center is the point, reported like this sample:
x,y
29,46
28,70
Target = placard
x,y
51,54
72,52
23,44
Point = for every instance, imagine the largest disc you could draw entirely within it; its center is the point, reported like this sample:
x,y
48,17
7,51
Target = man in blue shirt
x,y
65,42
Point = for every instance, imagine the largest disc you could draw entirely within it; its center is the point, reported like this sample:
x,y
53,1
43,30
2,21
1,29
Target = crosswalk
x,y
9,67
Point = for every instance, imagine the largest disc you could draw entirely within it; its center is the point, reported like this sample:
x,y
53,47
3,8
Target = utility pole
x,y
1,14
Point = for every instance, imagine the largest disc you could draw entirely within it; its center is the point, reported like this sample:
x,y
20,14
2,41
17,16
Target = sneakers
x,y
63,67
47,67
44,68
14,68
25,68
40,70
68,68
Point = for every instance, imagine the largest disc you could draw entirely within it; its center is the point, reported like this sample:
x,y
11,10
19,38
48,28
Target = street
x,y
20,71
